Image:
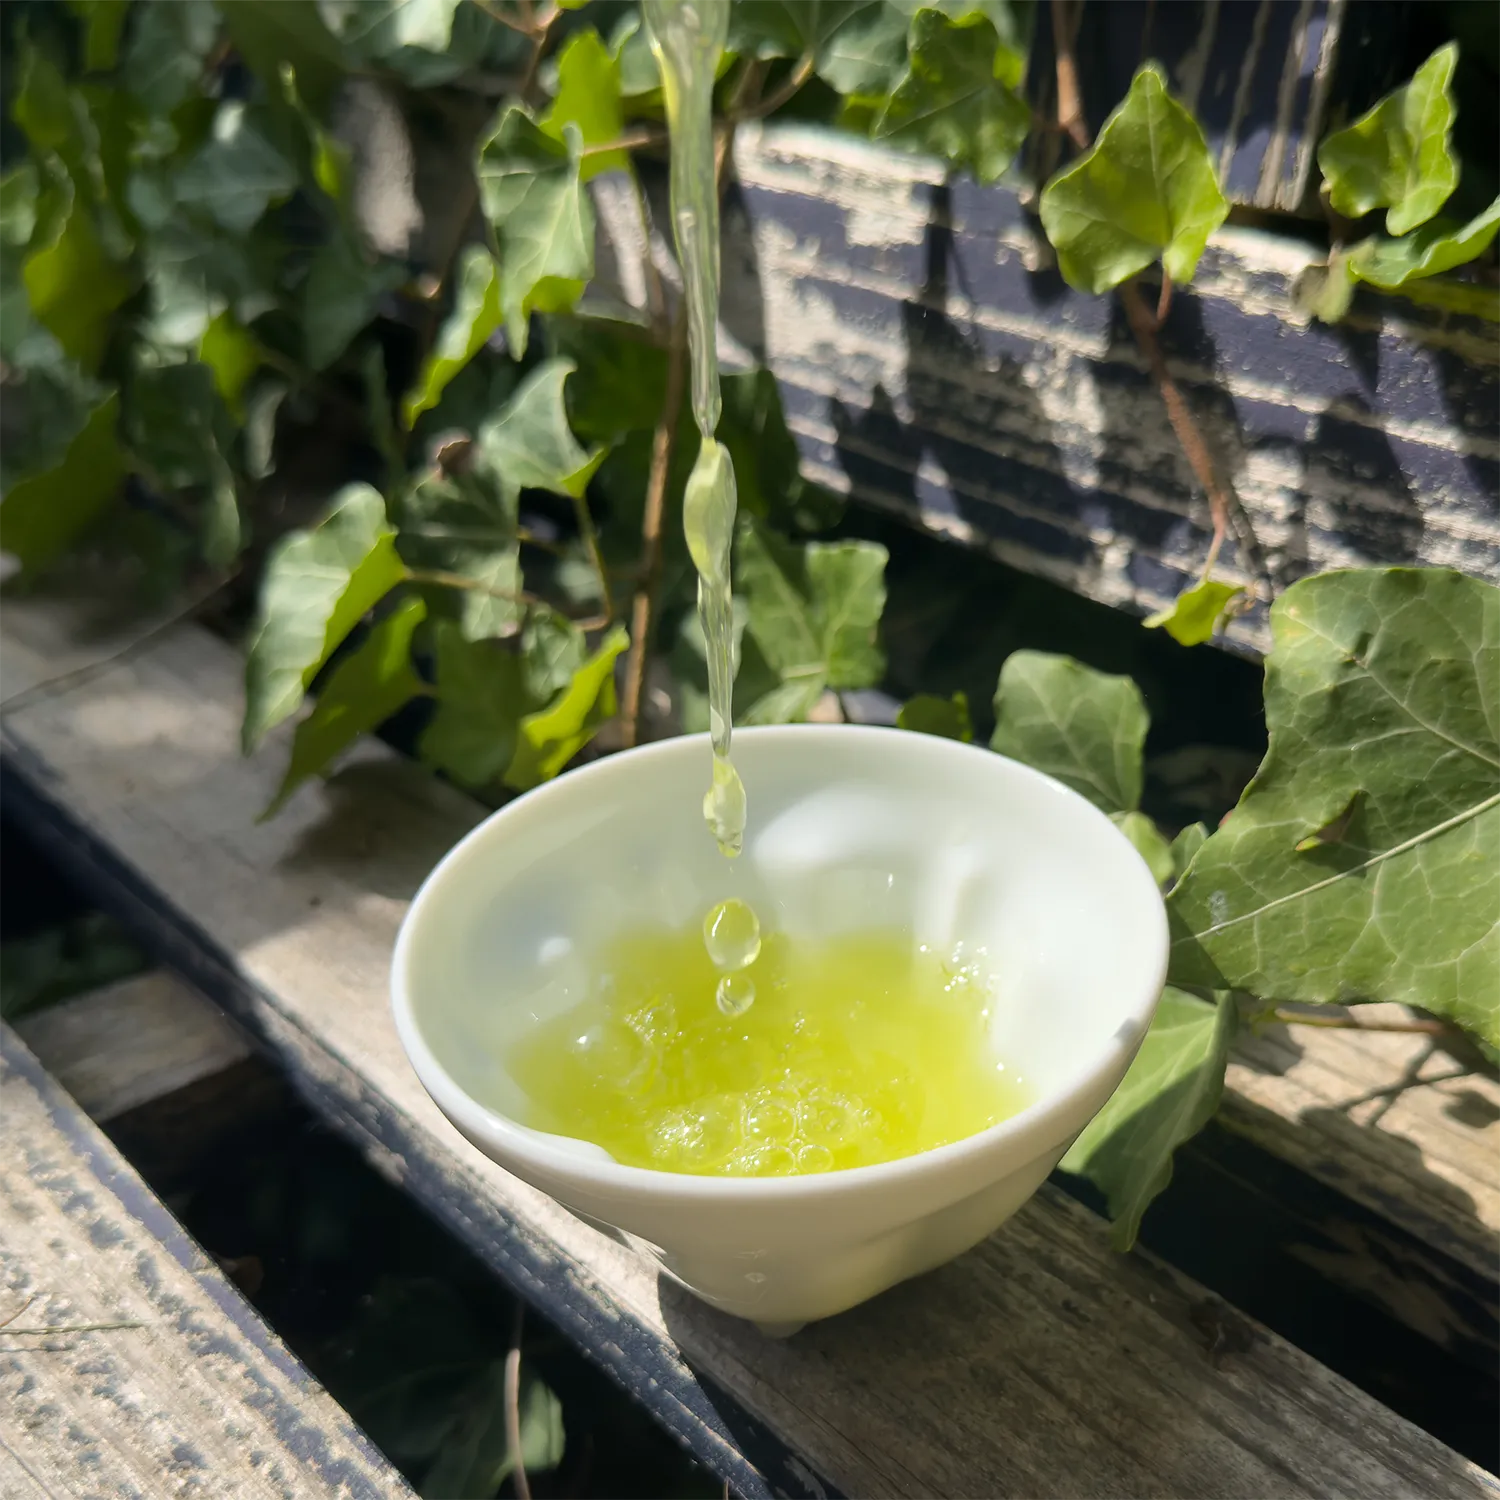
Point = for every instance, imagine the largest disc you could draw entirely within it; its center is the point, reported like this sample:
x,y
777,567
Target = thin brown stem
x,y
1069,97
590,537
1143,324
495,13
631,140
513,1407
780,94
1423,1026
444,579
1179,414
663,443
542,33
1164,301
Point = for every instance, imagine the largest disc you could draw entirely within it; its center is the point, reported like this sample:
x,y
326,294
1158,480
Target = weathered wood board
x,y
129,1043
174,1387
933,363
1039,1364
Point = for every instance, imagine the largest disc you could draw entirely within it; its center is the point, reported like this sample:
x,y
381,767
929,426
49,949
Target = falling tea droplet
x,y
735,995
731,934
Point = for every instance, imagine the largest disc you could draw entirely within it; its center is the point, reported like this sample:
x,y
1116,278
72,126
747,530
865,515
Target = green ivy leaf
x,y
1380,687
1149,844
481,696
475,1457
552,651
238,174
531,190
814,612
45,514
377,28
530,443
1169,1094
475,316
588,96
275,35
317,586
958,98
948,717
169,45
767,465
1186,845
866,54
1147,188
1397,156
18,199
362,692
72,284
552,736
1194,615
233,355
620,382
103,24
1086,728
1437,246
341,295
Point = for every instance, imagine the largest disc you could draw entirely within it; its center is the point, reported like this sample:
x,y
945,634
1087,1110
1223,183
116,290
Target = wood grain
x,y
128,1043
1039,1364
186,1393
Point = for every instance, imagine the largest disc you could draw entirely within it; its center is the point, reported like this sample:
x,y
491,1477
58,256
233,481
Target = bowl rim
x,y
1045,1123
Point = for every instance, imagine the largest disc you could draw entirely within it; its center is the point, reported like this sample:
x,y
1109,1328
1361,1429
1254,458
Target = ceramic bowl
x,y
850,828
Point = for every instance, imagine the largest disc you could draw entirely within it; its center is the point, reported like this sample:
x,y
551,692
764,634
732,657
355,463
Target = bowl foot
x,y
780,1330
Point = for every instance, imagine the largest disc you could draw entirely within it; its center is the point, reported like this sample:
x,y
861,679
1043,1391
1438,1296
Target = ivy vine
x,y
451,456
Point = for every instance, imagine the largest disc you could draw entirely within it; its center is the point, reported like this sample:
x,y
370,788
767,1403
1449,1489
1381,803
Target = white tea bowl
x,y
850,829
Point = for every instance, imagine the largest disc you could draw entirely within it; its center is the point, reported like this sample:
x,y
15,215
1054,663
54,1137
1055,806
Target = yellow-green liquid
x,y
858,1049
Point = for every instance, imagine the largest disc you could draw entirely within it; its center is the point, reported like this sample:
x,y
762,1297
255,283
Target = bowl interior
x,y
849,829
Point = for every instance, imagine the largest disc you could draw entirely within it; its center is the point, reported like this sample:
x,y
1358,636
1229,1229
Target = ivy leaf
x,y
531,190
1397,156
341,295
317,585
948,717
530,443
169,44
72,284
620,382
475,1457
377,28
233,355
1169,1094
238,174
1194,615
481,696
1149,844
362,691
958,98
551,737
1437,246
865,54
1380,682
588,96
465,331
813,612
552,651
767,465
103,23
273,36
1084,727
1147,188
1325,291
45,514
1186,845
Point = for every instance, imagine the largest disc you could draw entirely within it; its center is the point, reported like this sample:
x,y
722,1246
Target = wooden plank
x,y
129,1043
1038,1364
933,364
178,1388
